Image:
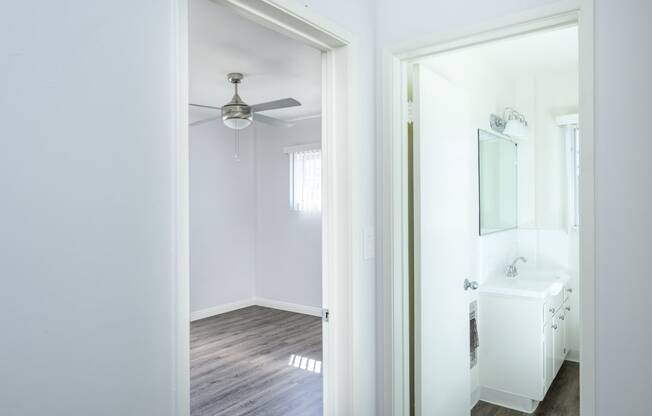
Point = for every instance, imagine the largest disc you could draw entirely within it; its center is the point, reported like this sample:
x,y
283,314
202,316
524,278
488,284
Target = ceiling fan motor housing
x,y
236,114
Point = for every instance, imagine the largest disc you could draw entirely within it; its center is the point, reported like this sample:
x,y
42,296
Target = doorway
x,y
495,227
256,343
449,182
336,128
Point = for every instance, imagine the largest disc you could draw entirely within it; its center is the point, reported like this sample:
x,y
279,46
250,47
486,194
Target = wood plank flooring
x,y
562,399
239,364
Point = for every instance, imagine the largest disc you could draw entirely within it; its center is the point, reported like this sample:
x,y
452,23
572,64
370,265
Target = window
x,y
305,180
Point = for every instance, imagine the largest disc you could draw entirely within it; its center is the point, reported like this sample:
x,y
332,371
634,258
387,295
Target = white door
x,y
445,166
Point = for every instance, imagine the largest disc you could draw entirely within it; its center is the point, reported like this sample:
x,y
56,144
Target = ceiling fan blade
x,y
272,105
272,121
205,106
204,121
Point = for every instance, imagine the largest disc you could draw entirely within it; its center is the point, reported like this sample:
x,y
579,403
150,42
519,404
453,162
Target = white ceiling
x,y
551,51
275,66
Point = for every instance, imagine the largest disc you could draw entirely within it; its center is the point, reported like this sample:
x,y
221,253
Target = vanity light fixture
x,y
512,123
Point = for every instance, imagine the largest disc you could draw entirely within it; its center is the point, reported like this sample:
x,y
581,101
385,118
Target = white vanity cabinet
x,y
522,342
555,338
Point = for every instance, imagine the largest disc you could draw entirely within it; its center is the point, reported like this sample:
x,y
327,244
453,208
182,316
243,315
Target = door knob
x,y
470,284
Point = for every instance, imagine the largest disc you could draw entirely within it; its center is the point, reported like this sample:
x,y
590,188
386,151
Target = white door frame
x,y
338,139
394,171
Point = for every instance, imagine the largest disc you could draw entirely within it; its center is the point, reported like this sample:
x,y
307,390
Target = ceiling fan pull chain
x,y
236,154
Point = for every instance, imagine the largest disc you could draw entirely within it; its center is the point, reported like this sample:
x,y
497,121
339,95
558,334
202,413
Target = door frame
x,y
394,194
338,200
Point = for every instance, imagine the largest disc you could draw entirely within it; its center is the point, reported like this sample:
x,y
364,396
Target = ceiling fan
x,y
237,114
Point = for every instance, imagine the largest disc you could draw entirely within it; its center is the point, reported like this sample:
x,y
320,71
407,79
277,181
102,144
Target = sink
x,y
538,284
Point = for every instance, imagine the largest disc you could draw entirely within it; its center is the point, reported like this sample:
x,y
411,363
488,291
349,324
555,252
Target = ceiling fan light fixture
x,y
237,117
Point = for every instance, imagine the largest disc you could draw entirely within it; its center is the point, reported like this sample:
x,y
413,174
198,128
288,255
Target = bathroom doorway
x,y
494,177
495,226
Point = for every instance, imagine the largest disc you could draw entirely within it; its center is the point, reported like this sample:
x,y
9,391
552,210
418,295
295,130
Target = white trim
x,y
220,309
287,306
295,21
302,147
567,119
179,154
393,188
339,127
508,400
573,356
587,282
255,301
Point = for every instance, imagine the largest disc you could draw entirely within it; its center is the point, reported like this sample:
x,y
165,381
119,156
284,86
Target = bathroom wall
x,y
545,236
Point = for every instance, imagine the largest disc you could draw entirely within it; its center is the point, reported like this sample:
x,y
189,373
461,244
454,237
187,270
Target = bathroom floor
x,y
563,398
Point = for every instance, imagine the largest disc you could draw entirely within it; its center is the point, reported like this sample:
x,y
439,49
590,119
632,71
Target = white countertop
x,y
538,284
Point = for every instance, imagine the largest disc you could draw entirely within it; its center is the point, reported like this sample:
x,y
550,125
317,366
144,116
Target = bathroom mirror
x,y
497,168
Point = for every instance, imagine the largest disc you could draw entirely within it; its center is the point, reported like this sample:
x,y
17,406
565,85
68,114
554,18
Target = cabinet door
x,y
559,336
548,359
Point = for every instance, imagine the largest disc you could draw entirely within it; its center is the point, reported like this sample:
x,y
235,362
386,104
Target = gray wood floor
x,y
562,399
239,364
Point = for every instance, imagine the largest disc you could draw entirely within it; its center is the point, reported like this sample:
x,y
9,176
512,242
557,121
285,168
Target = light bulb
x,y
237,123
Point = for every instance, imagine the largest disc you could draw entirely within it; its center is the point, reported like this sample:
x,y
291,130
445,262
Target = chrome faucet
x,y
512,271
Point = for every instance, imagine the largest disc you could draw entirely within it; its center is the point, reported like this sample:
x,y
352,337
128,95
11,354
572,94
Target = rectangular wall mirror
x,y
497,169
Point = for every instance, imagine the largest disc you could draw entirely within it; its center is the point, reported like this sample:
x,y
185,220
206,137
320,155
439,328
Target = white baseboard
x,y
216,310
573,355
290,307
268,303
475,396
511,401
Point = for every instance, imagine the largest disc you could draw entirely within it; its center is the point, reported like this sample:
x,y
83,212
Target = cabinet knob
x,y
562,317
569,290
568,308
551,310
554,326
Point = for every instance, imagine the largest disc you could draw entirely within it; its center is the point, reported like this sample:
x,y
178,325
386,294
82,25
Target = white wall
x,y
246,244
358,18
623,205
222,217
543,187
87,305
87,110
288,243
